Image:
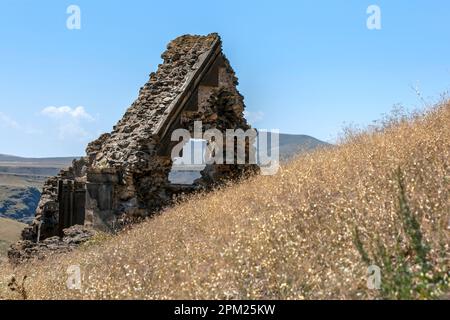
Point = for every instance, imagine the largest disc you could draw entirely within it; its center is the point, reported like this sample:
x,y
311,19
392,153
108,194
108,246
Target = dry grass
x,y
9,233
289,236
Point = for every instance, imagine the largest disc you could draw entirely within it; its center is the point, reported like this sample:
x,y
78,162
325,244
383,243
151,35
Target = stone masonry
x,y
124,175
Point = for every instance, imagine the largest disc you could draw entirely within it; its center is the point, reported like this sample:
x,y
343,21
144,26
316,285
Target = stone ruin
x,y
124,175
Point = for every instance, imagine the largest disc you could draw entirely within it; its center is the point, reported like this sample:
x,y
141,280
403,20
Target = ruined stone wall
x,y
134,138
46,219
125,172
220,107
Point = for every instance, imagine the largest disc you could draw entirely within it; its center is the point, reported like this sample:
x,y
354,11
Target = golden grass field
x,y
288,236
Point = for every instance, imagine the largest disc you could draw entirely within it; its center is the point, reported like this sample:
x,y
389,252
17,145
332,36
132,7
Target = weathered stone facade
x,y
125,173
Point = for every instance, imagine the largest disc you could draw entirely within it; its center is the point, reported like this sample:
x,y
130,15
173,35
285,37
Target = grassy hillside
x,y
9,233
21,180
309,232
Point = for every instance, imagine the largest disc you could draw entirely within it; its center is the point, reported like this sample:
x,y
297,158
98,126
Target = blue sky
x,y
305,67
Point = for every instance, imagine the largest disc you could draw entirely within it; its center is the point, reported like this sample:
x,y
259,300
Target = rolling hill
x,y
46,161
293,144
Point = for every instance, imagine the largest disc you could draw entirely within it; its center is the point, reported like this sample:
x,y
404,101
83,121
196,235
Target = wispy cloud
x,y
254,116
71,130
8,122
77,113
70,121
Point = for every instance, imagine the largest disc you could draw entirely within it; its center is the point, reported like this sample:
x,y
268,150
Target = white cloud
x,y
9,123
254,117
6,121
70,122
77,113
72,130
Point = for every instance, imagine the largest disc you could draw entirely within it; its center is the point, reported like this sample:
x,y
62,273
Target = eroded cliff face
x,y
125,173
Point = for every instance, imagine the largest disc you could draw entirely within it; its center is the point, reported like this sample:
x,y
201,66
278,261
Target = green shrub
x,y
407,270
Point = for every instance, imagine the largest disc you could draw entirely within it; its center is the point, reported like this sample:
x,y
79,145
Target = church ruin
x,y
124,174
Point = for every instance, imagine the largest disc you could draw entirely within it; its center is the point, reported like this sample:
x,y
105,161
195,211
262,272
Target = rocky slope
x,y
21,182
18,203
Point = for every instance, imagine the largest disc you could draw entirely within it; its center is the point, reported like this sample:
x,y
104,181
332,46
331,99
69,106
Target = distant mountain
x,y
55,160
292,145
33,166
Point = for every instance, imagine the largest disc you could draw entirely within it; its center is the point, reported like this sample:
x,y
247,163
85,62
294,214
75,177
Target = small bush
x,y
407,270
